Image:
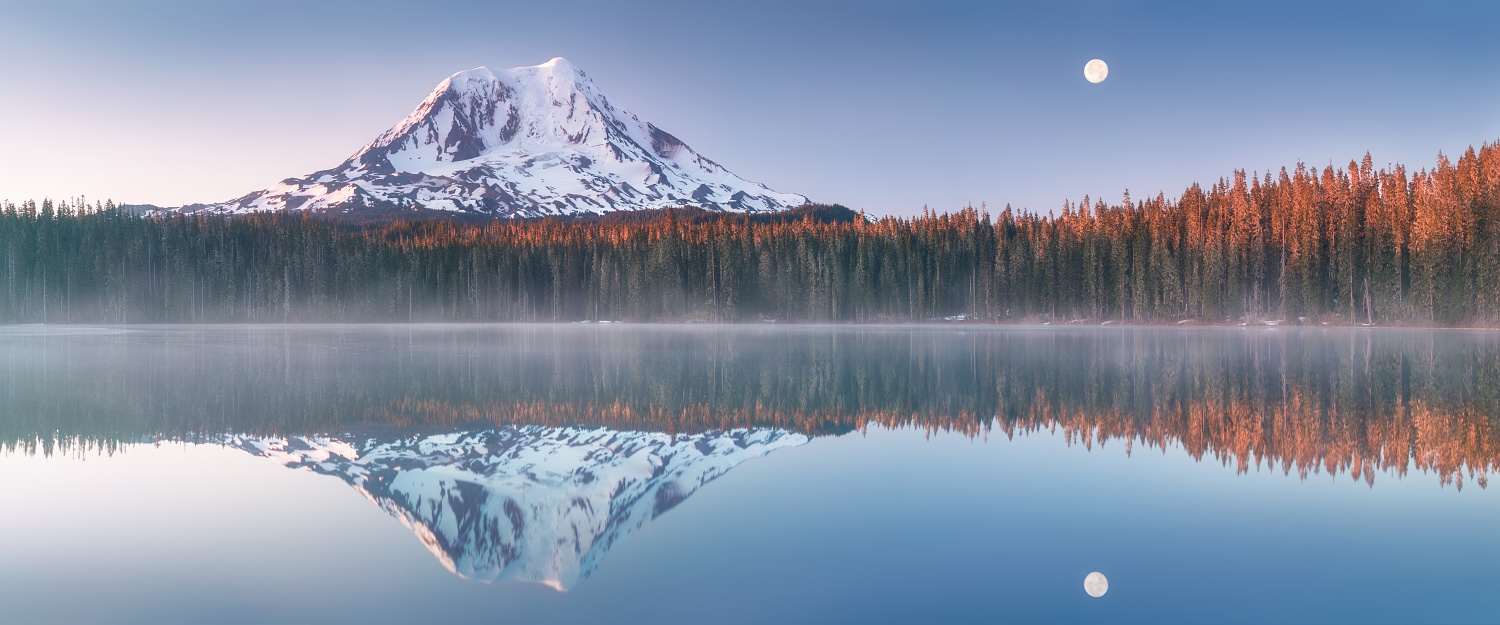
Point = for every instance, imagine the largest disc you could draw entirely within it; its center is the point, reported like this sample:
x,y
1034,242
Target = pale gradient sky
x,y
884,106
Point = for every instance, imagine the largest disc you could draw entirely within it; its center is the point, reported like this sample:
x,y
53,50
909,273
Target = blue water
x,y
142,521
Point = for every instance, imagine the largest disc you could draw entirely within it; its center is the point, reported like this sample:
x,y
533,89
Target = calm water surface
x,y
584,474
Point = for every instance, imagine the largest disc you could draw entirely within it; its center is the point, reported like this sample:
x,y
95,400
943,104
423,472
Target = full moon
x,y
1096,71
1095,584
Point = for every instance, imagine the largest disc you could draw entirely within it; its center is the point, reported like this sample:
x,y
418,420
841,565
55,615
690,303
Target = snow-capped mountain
x,y
522,142
529,503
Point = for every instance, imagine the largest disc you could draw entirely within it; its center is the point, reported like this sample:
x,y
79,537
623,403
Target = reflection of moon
x,y
1096,71
1095,584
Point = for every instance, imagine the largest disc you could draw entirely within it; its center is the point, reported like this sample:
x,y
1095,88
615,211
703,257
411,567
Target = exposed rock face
x,y
522,142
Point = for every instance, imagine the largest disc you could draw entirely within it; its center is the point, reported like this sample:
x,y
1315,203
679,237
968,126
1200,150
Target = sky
x,y
881,106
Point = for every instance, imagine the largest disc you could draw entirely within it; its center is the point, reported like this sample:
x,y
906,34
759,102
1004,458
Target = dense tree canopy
x,y
1350,244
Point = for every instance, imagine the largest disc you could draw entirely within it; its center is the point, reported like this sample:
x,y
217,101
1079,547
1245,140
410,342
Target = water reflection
x,y
556,454
529,503
1301,401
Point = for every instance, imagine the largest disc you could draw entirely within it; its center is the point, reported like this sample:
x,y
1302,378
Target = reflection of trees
x,y
1296,436
1303,401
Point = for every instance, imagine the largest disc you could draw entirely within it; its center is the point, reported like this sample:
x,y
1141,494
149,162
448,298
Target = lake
x,y
747,474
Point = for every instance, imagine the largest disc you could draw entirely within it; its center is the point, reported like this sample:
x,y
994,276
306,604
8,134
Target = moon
x,y
1096,71
1096,584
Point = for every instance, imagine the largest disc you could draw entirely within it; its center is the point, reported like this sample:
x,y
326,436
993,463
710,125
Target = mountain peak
x,y
555,65
520,142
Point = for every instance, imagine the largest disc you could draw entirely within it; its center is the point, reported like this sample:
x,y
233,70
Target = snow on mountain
x,y
523,142
528,503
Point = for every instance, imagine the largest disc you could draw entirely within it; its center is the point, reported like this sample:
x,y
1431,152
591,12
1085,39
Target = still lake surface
x,y
766,474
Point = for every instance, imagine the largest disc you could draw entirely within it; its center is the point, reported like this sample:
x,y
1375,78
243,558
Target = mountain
x,y
526,503
522,142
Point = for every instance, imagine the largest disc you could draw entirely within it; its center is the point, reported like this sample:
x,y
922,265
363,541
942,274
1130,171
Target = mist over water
x,y
646,470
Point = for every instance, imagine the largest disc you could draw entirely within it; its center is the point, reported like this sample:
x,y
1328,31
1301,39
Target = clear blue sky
x,y
884,106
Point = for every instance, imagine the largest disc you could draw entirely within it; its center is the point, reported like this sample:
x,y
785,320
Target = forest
x,y
1339,245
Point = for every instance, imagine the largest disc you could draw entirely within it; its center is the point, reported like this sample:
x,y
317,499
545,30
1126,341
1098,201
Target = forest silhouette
x,y
1351,245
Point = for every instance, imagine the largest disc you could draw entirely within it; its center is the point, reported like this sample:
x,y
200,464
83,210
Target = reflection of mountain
x,y
530,503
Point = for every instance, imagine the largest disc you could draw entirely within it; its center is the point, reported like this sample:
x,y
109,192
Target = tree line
x,y
1349,245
